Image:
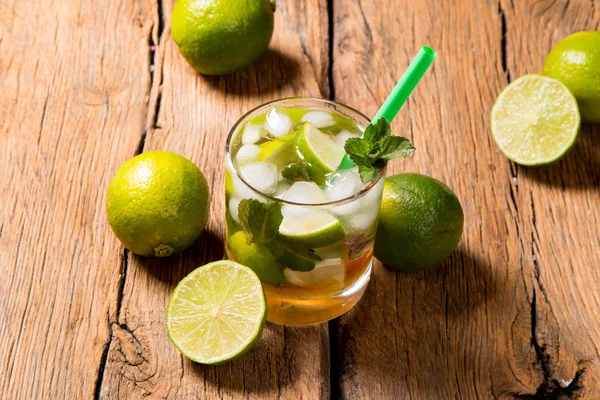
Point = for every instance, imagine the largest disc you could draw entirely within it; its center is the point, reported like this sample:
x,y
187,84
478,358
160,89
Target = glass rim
x,y
232,166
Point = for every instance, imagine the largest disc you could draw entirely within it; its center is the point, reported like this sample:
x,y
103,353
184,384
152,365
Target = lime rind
x,y
311,228
535,120
317,148
217,312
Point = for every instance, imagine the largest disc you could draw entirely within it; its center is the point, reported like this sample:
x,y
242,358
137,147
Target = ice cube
x,y
344,135
278,124
282,188
234,202
251,134
305,193
320,119
262,176
343,184
364,219
247,152
326,273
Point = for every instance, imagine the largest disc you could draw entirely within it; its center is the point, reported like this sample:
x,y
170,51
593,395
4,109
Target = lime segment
x,y
278,151
317,149
310,228
535,120
217,312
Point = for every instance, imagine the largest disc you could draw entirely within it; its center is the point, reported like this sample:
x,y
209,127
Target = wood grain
x,y
86,85
193,117
513,313
74,81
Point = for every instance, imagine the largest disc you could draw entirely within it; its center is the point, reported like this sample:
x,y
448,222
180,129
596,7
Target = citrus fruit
x,y
157,203
575,61
420,222
535,120
218,37
257,257
311,228
317,149
217,312
278,151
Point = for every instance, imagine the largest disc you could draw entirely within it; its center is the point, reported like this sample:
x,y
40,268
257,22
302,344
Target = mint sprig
x,y
260,223
377,146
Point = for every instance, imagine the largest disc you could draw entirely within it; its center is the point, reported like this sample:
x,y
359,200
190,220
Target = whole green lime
x,y
218,37
157,203
575,61
420,222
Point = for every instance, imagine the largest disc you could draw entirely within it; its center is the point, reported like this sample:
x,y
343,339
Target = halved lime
x,y
257,257
318,149
279,151
217,312
535,120
326,273
310,228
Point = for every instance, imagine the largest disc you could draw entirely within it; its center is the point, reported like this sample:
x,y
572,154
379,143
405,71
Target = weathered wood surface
x,y
514,313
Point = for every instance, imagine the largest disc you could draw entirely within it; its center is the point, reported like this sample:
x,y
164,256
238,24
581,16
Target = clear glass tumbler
x,y
334,237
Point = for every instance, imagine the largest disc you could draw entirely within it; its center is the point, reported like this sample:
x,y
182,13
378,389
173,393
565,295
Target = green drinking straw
x,y
400,93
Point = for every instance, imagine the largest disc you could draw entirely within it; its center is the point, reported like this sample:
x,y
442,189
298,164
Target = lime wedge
x,y
279,151
326,273
257,257
310,228
535,120
317,148
217,312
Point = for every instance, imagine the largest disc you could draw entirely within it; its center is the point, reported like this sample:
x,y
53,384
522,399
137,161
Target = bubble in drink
x,y
262,176
320,119
251,134
278,124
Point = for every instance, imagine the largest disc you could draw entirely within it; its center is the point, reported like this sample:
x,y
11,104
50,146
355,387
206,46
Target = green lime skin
x,y
258,258
420,223
218,37
575,61
157,203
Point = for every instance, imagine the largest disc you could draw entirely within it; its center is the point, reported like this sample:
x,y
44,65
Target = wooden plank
x,y
475,327
559,211
194,115
74,81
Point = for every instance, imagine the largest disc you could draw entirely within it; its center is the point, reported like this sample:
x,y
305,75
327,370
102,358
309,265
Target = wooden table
x,y
85,85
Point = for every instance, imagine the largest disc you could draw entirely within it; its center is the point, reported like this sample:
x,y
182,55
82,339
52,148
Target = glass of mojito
x,y
306,229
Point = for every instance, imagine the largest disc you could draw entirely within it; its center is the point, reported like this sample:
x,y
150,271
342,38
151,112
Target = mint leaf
x,y
292,256
395,146
260,222
377,146
368,174
297,172
358,150
375,132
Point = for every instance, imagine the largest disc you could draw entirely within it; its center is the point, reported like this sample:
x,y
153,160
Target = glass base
x,y
298,312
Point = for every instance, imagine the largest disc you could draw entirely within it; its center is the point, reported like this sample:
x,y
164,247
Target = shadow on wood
x,y
208,248
580,169
272,72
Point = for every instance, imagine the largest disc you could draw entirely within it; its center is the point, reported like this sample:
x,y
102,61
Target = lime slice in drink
x,y
535,120
318,149
257,257
217,312
279,151
326,273
310,228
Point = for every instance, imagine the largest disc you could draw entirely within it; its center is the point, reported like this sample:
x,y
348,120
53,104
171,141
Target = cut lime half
x,y
317,149
535,120
217,312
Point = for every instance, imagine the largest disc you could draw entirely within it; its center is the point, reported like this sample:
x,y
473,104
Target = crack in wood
x,y
504,44
550,388
103,360
330,20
